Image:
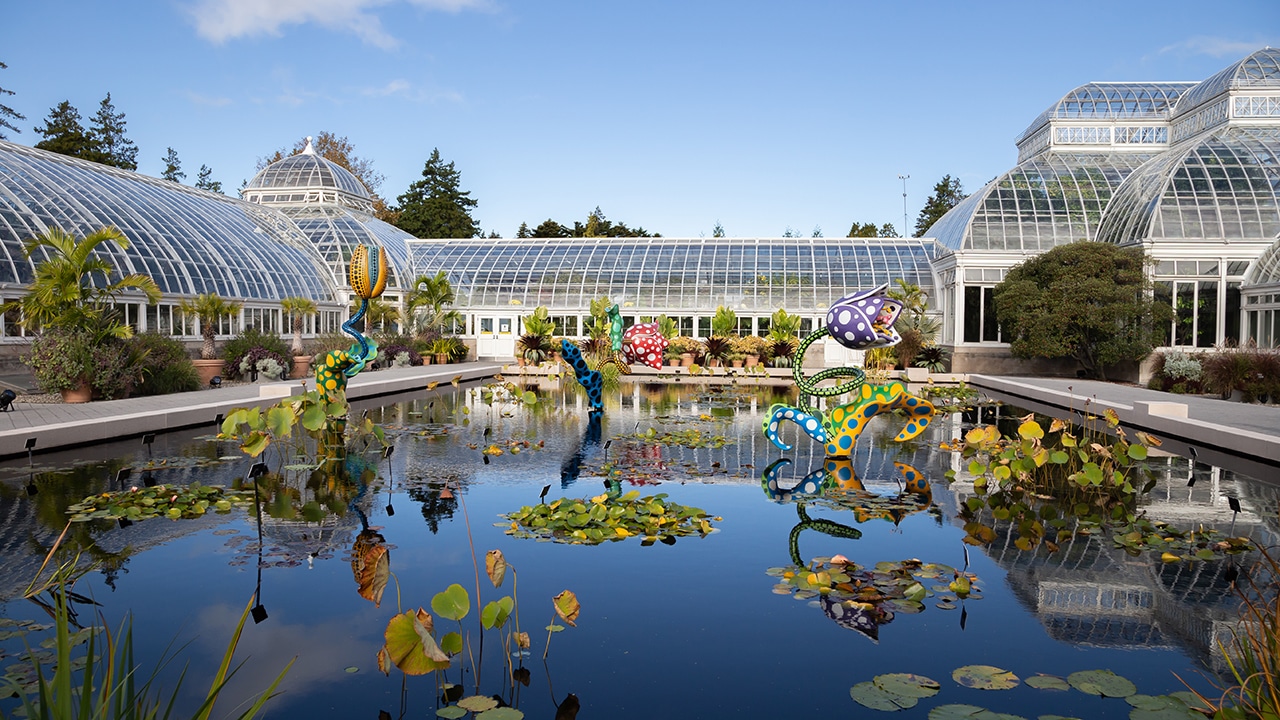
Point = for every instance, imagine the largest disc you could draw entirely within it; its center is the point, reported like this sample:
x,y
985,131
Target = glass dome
x,y
304,178
1220,187
667,274
1050,200
1113,101
1266,271
187,240
335,231
1258,70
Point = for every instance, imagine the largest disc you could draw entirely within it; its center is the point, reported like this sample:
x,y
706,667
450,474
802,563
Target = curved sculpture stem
x,y
809,386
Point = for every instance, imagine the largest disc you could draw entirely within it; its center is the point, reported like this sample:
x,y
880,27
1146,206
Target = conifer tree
x,y
172,167
946,194
8,114
205,181
63,133
110,146
434,207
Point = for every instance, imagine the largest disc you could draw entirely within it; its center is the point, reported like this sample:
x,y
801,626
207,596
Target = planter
x,y
426,359
686,359
442,358
82,394
753,360
301,367
207,370
737,363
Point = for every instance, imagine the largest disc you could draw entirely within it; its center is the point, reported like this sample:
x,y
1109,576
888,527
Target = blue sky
x,y
763,116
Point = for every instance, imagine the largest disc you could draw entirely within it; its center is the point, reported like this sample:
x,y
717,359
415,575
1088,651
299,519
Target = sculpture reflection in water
x,y
854,597
860,321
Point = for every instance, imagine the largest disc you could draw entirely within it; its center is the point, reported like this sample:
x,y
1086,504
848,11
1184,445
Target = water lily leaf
x,y
452,712
452,603
1101,682
495,613
985,677
410,645
1190,699
313,418
1030,430
280,421
567,607
955,711
451,643
1047,682
502,713
907,685
371,565
477,703
868,695
495,564
1137,452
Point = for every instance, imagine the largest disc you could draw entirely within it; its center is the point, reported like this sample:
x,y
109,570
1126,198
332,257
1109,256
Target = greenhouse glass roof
x,y
1258,70
1113,101
1049,200
1266,271
187,240
293,176
1221,186
336,231
672,274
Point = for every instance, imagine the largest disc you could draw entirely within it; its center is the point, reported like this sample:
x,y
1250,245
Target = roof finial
x,y
308,150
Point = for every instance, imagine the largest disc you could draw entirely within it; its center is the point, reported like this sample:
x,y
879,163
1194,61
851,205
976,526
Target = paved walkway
x,y
1217,426
59,425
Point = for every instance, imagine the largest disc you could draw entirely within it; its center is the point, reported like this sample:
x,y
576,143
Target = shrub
x,y
260,359
933,357
681,345
909,347
392,355
751,345
1225,371
165,366
451,346
717,347
64,359
1181,366
252,338
782,349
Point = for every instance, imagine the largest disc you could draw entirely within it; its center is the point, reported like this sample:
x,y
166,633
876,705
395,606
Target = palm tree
x,y
299,308
72,288
428,300
209,309
379,314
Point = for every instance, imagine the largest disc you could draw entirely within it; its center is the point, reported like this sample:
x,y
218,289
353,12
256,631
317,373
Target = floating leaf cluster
x,y
591,521
693,438
1174,545
172,502
898,691
881,591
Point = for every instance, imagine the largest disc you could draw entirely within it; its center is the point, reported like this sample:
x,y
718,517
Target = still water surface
x,y
689,630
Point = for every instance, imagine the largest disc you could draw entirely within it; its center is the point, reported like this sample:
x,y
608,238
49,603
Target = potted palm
x,y
299,309
208,309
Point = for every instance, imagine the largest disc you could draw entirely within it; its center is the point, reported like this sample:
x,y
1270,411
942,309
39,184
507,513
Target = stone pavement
x,y
59,425
1205,424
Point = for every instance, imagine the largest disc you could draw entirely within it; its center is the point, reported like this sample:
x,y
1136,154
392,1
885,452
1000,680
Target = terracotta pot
x,y
686,359
442,358
753,360
737,363
82,394
426,359
207,370
713,362
301,367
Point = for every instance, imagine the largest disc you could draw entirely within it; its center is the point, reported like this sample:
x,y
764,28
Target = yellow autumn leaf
x,y
622,532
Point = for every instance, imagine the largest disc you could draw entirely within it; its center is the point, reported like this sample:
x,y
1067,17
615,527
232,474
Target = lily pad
x,y
907,685
477,703
985,677
1101,682
868,695
452,712
502,713
1160,707
955,711
1047,682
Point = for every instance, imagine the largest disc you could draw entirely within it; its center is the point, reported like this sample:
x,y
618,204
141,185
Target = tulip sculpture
x,y
368,276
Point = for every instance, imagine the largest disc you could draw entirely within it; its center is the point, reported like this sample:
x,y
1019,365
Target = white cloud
x,y
199,99
1211,46
223,20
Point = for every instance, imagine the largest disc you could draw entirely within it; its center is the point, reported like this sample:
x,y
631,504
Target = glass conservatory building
x,y
497,281
1188,171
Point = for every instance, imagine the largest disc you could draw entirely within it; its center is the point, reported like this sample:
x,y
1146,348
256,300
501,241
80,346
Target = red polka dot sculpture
x,y
642,343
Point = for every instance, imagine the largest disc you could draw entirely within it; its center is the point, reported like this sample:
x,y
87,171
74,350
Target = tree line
x,y
433,207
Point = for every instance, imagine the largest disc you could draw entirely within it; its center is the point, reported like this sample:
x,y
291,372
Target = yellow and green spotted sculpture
x,y
859,321
368,276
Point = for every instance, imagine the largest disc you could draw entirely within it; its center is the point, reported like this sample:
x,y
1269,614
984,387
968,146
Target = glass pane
x,y
1207,314
972,314
1185,297
1231,329
990,328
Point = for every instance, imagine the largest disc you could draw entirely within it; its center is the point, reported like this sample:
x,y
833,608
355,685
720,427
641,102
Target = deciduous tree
x,y
8,114
946,194
1090,301
435,206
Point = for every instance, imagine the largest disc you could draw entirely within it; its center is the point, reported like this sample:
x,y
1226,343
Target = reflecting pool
x,y
697,626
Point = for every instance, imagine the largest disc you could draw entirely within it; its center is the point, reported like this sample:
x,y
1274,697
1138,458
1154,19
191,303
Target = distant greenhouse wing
x,y
187,240
336,230
1049,200
671,274
1220,186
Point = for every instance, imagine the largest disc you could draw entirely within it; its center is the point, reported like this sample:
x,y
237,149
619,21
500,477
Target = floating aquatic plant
x,y
172,502
591,521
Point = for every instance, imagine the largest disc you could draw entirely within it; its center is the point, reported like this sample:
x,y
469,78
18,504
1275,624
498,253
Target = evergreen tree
x,y
718,230
887,230
434,207
523,232
8,114
862,230
204,181
946,194
172,167
598,225
63,133
111,147
550,229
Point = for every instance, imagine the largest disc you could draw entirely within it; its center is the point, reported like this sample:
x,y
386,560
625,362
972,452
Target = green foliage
x,y
717,347
668,327
62,359
244,344
609,518
72,287
1089,301
539,322
751,345
174,502
454,347
209,309
598,225
882,590
946,194
1253,655
783,325
933,357
535,348
165,365
172,167
298,309
428,304
110,146
205,181
724,322
63,133
435,207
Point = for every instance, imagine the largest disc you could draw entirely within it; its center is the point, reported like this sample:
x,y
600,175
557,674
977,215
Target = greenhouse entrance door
x,y
496,336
